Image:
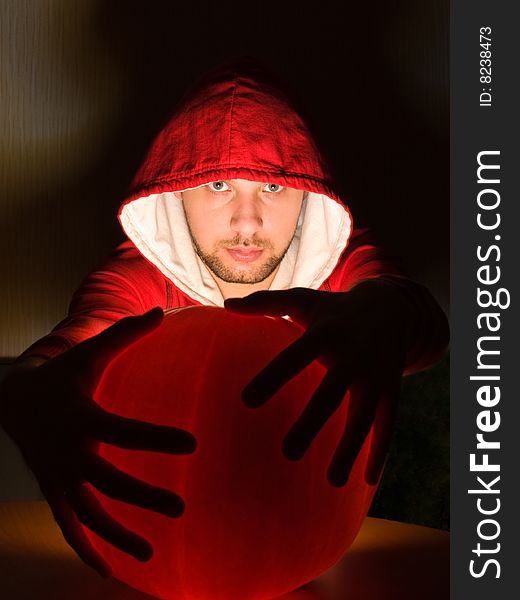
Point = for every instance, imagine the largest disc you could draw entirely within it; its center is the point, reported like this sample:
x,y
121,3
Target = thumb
x,y
100,349
296,302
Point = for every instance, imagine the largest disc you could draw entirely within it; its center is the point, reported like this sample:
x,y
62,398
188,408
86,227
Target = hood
x,y
234,124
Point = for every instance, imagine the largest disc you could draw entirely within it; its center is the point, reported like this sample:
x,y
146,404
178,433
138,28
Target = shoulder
x,y
126,261
126,273
363,258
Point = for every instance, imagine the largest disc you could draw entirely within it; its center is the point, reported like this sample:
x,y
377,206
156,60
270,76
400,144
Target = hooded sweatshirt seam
x,y
242,166
232,106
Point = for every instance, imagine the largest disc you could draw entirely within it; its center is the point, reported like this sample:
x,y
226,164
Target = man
x,y
233,199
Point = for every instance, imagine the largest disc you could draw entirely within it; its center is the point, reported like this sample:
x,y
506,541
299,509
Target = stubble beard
x,y
216,265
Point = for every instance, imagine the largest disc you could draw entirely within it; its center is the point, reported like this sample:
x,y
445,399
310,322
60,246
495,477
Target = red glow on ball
x,y
256,525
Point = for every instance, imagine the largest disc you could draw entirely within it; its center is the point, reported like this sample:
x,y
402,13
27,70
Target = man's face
x,y
242,229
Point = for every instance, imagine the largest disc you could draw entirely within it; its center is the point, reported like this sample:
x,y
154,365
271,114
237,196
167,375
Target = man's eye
x,y
218,186
273,187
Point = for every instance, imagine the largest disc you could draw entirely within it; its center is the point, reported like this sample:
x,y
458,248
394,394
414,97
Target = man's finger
x,y
296,302
359,420
325,401
100,349
132,434
383,428
286,365
93,516
74,534
119,485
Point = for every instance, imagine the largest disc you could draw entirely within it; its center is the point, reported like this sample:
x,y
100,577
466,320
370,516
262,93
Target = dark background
x,y
91,83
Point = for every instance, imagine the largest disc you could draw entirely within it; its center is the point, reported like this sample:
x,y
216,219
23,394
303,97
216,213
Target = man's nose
x,y
246,218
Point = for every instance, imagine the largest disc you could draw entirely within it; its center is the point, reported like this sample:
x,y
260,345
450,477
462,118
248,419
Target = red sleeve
x,y
126,284
364,259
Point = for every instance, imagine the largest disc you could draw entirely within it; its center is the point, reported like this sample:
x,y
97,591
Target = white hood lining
x,y
156,224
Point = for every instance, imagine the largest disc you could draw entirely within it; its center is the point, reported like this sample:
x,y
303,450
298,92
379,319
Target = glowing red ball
x,y
256,525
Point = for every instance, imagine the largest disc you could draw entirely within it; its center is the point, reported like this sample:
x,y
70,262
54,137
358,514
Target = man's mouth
x,y
245,253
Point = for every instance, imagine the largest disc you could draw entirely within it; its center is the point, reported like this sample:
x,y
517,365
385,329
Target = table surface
x,y
388,561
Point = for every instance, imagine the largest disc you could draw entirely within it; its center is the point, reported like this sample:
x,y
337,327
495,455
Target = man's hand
x,y
49,412
361,336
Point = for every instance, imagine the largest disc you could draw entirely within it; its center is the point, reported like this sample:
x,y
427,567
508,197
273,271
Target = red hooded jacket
x,y
233,125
